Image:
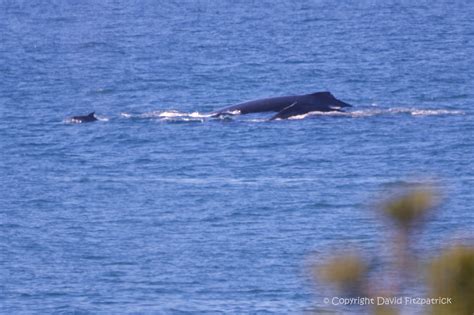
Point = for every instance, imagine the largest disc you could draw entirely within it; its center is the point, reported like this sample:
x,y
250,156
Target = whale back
x,y
287,106
272,104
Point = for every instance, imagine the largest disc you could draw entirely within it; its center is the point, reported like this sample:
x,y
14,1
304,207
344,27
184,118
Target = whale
x,y
286,106
84,119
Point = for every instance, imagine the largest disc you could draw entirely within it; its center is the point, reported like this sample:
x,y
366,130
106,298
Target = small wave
x,y
428,112
166,114
419,112
256,120
172,114
378,111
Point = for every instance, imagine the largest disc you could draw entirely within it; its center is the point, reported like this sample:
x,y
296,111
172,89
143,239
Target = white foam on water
x,y
379,111
169,114
71,120
423,112
316,113
373,110
232,112
431,112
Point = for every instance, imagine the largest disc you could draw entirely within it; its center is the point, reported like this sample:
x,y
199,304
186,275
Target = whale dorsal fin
x,y
328,99
91,114
322,93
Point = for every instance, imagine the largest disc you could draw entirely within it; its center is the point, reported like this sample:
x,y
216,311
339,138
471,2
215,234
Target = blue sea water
x,y
159,209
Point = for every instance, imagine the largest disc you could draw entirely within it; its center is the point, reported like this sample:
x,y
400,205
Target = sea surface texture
x,y
159,208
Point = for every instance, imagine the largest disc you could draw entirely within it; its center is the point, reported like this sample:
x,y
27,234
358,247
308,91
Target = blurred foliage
x,y
345,272
410,208
386,310
451,275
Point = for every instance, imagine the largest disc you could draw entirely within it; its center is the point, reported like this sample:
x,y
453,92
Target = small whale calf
x,y
287,106
83,119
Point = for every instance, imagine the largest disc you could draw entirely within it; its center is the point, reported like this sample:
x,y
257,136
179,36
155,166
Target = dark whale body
x,y
287,106
83,119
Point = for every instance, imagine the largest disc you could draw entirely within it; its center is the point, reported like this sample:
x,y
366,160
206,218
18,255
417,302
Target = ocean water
x,y
158,208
